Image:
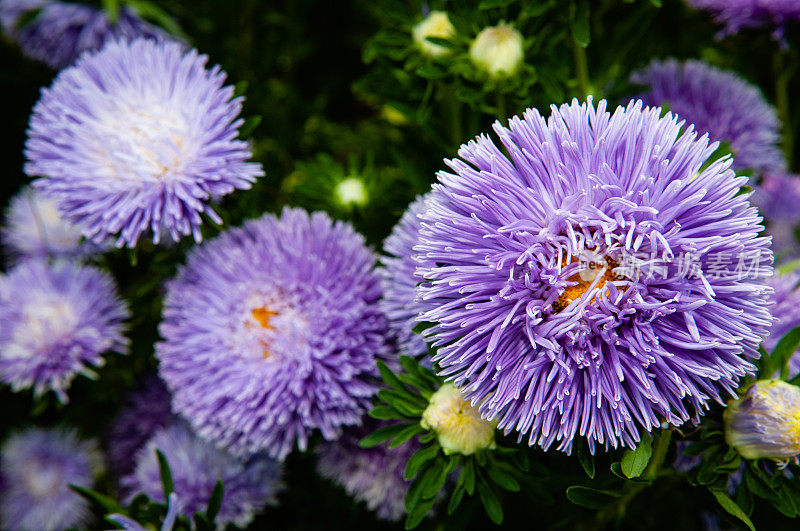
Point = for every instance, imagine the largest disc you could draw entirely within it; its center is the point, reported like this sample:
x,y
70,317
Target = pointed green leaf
x,y
503,479
635,460
586,459
580,24
166,474
382,434
420,457
405,435
215,500
732,508
589,497
490,502
108,503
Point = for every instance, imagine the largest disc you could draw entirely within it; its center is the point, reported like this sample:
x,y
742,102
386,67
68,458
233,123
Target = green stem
x,y
111,7
784,70
502,113
452,106
616,511
581,70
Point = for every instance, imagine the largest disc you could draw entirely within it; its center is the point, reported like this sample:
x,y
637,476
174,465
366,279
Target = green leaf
x,y
420,457
589,497
635,460
240,88
421,510
732,508
249,125
788,345
455,499
580,24
586,459
108,503
491,4
438,475
202,523
490,502
390,378
503,479
166,474
467,476
444,43
405,435
386,413
215,500
382,434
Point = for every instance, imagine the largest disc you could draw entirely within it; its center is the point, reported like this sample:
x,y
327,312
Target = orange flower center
x,y
262,316
584,279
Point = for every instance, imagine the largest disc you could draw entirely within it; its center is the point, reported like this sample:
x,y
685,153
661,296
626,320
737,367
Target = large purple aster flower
x,y
196,465
370,475
399,281
721,104
34,228
60,32
592,284
778,197
271,331
739,14
37,466
139,136
146,410
57,321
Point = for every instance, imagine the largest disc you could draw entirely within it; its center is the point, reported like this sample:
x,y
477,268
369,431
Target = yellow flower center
x,y
262,316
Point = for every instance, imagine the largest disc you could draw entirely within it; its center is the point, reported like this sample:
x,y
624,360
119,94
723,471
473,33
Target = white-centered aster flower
x,y
457,424
498,50
436,24
765,422
139,137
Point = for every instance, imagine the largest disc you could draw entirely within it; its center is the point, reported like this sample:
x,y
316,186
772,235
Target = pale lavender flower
x,y
273,330
721,104
740,14
57,322
786,311
139,137
778,197
60,32
398,281
37,466
34,228
575,287
196,466
370,475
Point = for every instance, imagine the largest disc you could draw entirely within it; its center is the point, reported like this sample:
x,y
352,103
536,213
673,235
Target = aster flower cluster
x,y
740,14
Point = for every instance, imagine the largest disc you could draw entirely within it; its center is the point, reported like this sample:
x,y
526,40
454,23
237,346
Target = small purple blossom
x,y
778,197
61,31
34,228
554,349
146,410
721,104
271,331
139,136
398,281
736,15
37,466
370,475
57,321
196,465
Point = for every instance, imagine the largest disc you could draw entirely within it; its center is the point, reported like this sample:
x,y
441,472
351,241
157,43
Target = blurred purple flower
x,y
571,284
786,311
370,475
37,466
57,321
398,281
736,15
139,136
61,31
273,330
146,410
778,197
721,104
196,465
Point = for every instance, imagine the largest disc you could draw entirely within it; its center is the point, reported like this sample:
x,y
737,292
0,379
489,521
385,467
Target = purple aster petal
x,y
555,345
38,465
370,475
58,320
778,197
398,281
137,138
740,14
196,465
146,410
721,104
272,331
786,311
